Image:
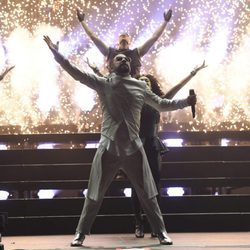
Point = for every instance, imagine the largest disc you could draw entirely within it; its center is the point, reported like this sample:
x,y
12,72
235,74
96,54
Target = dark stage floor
x,y
182,241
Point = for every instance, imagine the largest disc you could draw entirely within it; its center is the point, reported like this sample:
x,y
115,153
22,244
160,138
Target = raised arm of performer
x,y
6,72
142,50
86,78
104,49
172,92
94,68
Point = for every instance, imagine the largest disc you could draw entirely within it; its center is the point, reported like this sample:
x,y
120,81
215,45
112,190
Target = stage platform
x,y
182,241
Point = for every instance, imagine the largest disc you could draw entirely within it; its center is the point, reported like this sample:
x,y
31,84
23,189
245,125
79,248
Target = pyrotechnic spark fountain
x,y
38,92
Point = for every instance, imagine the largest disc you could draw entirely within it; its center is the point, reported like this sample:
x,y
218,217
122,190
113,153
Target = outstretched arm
x,y
85,78
163,104
172,92
142,50
6,72
104,49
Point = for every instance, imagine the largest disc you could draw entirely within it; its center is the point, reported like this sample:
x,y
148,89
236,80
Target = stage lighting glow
x,y
175,191
2,57
84,97
3,147
92,145
217,102
4,195
95,57
224,142
127,192
47,193
45,94
173,142
46,146
85,192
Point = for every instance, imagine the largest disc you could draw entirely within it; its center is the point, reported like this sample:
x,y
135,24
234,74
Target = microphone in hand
x,y
192,99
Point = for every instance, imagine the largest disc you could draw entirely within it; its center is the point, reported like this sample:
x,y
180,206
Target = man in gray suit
x,y
122,98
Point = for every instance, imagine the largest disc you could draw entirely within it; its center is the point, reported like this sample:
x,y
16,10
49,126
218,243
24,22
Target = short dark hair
x,y
111,64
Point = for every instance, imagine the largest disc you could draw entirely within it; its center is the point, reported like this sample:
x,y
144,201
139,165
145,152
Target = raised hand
x,y
203,65
92,66
53,47
167,15
196,69
10,68
80,15
6,71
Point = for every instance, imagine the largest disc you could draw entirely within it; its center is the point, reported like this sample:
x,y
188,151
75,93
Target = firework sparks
x,y
217,31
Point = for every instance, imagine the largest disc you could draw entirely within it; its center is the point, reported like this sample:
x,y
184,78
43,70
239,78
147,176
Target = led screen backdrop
x,y
38,93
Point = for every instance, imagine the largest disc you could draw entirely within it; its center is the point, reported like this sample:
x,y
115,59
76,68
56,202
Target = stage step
x,y
181,222
201,169
181,214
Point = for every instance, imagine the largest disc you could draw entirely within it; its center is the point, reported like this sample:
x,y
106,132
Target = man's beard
x,y
123,69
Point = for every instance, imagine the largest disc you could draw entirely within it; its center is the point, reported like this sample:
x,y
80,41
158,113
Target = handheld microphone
x,y
191,92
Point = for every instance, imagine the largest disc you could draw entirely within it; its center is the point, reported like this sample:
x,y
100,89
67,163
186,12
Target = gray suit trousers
x,y
132,166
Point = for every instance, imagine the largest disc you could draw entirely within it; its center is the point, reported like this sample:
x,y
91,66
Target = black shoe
x,y
78,240
164,239
139,231
153,235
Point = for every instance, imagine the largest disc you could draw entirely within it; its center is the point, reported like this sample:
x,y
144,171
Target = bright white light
x,y
35,73
224,142
48,87
173,142
47,193
85,192
175,191
4,195
128,192
95,57
84,97
218,101
46,146
92,145
218,46
3,147
183,48
2,57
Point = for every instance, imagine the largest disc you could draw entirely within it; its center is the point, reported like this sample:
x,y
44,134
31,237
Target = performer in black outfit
x,y
124,44
153,146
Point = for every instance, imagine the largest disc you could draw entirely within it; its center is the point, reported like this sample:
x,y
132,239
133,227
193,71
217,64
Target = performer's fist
x,y
167,15
80,15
